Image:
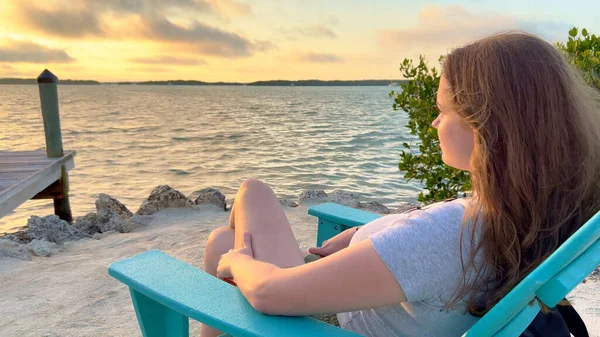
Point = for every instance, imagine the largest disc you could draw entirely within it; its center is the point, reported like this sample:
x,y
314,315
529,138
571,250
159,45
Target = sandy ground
x,y
71,294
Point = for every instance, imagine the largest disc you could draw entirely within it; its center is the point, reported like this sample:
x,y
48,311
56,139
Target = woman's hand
x,y
227,259
335,244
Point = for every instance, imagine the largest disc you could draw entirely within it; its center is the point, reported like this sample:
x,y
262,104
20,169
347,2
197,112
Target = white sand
x,y
71,293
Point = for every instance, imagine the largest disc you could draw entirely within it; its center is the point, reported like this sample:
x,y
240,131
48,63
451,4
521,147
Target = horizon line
x,y
188,80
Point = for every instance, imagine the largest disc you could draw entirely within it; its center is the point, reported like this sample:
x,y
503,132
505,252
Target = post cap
x,y
47,77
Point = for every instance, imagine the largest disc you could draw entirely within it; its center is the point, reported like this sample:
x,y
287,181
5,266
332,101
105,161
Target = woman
x,y
516,116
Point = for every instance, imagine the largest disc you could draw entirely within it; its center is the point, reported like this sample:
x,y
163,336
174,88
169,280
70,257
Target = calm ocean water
x,y
130,139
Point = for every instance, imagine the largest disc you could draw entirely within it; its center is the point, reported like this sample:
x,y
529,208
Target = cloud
x,y
146,20
318,31
5,67
224,8
67,23
147,7
199,37
451,26
29,52
318,58
168,60
264,46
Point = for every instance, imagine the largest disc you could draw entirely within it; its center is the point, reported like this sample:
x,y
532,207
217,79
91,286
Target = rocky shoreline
x,y
74,286
45,236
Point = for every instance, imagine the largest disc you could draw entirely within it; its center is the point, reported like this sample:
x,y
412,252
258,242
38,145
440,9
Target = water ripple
x,y
131,138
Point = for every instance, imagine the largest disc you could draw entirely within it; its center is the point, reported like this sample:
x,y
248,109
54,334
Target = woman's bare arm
x,y
354,278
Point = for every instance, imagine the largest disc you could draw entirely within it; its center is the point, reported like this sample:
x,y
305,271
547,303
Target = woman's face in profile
x,y
456,138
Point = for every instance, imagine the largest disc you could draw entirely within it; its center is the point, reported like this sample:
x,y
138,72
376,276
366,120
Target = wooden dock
x,y
30,175
26,175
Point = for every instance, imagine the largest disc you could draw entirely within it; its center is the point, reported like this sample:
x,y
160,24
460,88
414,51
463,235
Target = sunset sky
x,y
250,40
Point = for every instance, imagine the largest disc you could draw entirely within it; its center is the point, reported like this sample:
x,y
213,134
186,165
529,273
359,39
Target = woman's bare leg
x,y
220,241
258,211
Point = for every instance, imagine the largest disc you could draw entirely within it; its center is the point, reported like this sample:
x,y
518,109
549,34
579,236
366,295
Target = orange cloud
x,y
198,36
14,51
71,22
142,21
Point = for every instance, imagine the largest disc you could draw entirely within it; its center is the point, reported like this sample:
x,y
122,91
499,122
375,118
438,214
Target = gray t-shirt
x,y
421,249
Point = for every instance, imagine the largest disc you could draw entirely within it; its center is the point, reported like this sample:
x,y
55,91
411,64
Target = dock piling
x,y
48,87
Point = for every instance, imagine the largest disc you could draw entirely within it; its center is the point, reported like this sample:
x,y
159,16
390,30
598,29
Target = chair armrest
x,y
343,215
192,292
335,218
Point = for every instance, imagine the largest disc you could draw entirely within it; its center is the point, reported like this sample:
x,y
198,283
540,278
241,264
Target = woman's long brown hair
x,y
536,161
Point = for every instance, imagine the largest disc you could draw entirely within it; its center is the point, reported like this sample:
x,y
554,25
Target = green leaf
x,y
584,52
573,32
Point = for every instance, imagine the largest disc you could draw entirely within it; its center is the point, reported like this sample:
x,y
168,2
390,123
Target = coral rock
x,y
10,248
211,196
53,229
374,206
162,197
312,196
41,248
345,198
288,203
107,207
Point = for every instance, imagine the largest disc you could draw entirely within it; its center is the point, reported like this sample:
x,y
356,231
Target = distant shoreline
x,y
278,83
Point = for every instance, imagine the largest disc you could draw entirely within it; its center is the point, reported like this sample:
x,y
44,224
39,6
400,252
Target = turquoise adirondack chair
x,y
167,292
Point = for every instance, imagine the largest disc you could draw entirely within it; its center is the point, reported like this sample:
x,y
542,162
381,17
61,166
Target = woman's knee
x,y
220,239
252,184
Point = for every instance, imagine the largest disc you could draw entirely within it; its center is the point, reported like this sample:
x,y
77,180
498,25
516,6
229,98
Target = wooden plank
x,y
20,168
16,154
32,184
29,162
8,159
28,155
29,165
39,153
32,159
11,181
21,172
26,190
53,162
16,175
22,153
